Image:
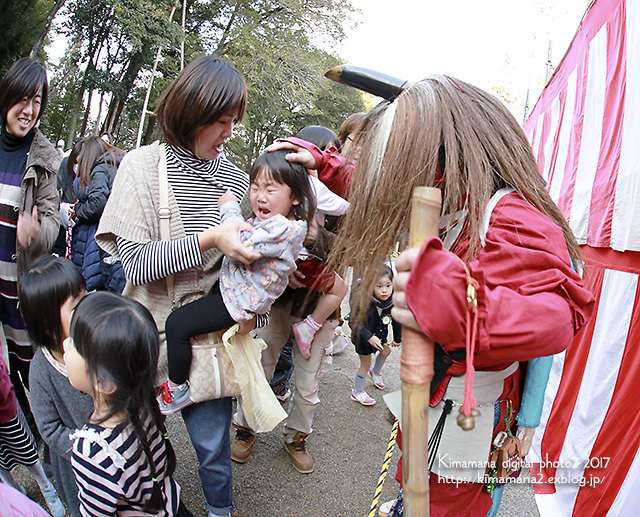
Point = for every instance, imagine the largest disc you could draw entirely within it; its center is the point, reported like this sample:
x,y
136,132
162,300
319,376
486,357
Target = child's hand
x,y
247,326
294,279
226,198
375,342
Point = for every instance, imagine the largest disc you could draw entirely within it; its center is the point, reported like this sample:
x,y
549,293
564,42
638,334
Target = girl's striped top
x,y
114,476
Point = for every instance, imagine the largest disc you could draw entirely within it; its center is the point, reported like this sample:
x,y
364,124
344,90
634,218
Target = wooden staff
x,y
416,372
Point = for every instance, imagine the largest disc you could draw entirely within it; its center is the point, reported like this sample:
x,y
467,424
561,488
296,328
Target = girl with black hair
x,y
283,203
322,136
48,293
122,459
369,335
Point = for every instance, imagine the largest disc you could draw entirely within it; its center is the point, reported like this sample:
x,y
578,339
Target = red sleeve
x,y
333,169
530,302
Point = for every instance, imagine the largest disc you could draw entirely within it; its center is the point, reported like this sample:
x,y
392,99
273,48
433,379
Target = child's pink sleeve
x,y
8,407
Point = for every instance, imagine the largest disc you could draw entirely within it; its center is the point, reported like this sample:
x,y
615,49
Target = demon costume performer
x,y
499,224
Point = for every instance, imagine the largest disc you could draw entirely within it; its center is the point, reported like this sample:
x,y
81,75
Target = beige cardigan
x,y
132,214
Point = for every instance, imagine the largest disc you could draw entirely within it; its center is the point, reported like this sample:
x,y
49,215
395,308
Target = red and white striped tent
x,y
585,133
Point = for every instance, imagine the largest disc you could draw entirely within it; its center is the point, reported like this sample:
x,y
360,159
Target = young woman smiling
x,y
28,203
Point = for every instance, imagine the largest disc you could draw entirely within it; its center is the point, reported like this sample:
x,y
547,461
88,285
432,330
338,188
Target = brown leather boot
x,y
242,444
297,449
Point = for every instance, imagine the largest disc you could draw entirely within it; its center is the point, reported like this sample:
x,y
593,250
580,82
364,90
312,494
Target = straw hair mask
x,y
439,132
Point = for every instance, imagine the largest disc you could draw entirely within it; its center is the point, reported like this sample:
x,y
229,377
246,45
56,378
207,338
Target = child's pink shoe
x,y
377,379
304,331
363,398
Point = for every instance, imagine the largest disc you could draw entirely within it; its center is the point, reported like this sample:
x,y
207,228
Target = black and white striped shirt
x,y
197,184
114,476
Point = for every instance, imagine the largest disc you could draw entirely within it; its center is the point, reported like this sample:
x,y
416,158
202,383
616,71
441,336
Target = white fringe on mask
x,y
380,144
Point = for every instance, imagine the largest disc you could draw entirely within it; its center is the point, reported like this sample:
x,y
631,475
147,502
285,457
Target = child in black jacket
x,y
370,337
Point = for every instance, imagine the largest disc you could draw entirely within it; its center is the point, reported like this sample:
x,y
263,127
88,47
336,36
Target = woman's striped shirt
x,y
197,184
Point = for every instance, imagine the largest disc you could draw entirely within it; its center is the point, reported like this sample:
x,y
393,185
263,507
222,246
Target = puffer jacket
x,y
85,252
88,210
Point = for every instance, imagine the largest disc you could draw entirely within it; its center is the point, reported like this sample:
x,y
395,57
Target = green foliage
x,y
284,71
57,118
20,23
287,91
111,42
113,45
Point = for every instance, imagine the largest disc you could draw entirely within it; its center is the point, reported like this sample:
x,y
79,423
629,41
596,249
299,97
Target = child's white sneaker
x,y
172,398
377,379
363,398
53,501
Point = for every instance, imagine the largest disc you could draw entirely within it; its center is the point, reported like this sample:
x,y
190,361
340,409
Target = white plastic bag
x,y
260,406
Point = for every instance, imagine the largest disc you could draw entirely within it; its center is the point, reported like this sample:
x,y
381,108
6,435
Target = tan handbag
x,y
212,374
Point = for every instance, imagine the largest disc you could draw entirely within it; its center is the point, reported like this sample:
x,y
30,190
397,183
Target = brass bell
x,y
467,422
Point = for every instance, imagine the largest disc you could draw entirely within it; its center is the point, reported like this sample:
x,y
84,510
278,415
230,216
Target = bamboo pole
x,y
145,104
184,33
416,372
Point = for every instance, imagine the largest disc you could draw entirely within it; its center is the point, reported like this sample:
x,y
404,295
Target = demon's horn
x,y
370,81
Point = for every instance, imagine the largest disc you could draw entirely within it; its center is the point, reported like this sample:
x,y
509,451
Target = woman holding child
x,y
197,114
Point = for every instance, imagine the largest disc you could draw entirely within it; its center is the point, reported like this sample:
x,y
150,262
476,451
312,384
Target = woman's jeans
x,y
208,426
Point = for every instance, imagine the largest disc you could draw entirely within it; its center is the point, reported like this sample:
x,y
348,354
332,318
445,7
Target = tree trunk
x,y
117,104
93,53
85,119
97,126
79,103
45,28
74,119
147,136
